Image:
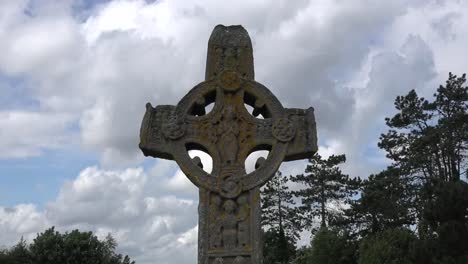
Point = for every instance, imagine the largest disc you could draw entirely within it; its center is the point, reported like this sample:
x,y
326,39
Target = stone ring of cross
x,y
228,133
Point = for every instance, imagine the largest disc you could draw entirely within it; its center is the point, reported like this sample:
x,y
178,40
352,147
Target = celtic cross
x,y
229,209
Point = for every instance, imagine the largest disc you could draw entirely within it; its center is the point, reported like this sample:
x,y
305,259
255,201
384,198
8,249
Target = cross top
x,y
228,133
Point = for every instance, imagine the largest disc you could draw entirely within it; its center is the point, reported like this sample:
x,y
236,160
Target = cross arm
x,y
296,127
158,123
304,143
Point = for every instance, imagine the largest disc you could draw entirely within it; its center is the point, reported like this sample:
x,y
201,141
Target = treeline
x,y
73,247
415,211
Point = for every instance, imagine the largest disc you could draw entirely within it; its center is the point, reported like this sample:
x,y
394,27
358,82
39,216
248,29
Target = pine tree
x,y
385,202
428,141
330,246
280,219
446,217
278,207
326,190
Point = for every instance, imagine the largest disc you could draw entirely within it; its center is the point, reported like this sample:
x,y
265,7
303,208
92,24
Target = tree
x,y
278,207
447,221
76,247
385,203
451,105
303,256
280,219
429,139
5,257
325,184
331,247
48,247
392,246
277,248
18,254
428,143
111,257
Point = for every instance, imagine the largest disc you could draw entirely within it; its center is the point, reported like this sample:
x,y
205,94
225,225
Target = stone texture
x,y
229,209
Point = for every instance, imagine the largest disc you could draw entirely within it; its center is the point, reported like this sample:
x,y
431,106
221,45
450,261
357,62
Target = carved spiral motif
x,y
228,186
173,128
284,130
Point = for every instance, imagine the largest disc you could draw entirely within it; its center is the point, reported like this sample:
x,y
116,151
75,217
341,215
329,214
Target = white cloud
x,y
26,133
180,183
21,220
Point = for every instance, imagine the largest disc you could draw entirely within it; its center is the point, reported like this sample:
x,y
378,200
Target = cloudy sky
x,y
75,76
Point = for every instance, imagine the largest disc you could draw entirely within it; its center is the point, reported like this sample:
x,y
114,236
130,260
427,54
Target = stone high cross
x,y
229,209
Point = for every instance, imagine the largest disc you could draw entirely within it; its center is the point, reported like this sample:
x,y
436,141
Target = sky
x,y
75,76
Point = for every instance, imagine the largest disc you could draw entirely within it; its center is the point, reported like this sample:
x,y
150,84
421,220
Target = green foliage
x,y
18,254
303,256
278,208
385,203
429,140
51,247
48,247
277,247
330,247
324,184
392,246
4,256
280,219
446,217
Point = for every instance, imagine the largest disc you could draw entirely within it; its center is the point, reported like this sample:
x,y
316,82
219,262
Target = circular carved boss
x,y
230,81
174,127
283,131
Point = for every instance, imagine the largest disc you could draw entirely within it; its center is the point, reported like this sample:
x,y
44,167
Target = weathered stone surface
x,y
229,209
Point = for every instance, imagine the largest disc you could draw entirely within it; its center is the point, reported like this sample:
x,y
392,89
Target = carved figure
x,y
228,131
243,217
173,128
229,225
215,226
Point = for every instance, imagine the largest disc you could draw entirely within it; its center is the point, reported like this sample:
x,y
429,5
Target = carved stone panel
x,y
229,222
